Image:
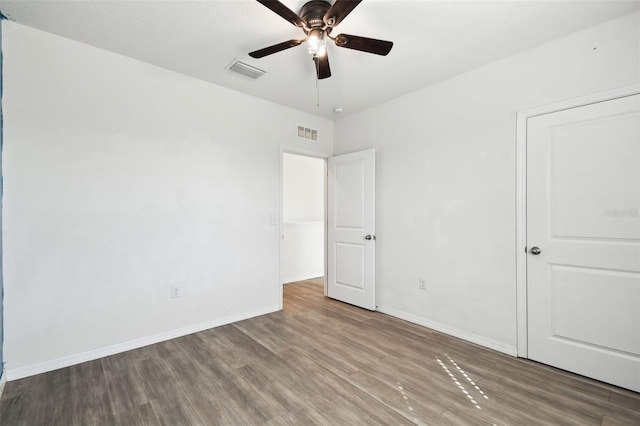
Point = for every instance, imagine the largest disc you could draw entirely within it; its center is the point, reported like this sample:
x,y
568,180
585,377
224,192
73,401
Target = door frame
x,y
284,149
521,196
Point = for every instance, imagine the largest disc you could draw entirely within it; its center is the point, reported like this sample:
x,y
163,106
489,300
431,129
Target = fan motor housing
x,y
313,12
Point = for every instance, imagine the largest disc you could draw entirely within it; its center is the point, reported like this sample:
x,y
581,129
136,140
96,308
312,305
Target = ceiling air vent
x,y
306,133
245,69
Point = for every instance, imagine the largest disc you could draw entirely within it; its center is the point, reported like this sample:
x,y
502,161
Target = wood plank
x,y
141,415
211,391
125,387
90,400
165,395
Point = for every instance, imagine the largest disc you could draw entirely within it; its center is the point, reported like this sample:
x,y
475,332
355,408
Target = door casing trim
x,y
521,196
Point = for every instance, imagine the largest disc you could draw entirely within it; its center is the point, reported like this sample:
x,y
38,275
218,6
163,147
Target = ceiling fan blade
x,y
322,66
283,11
339,11
364,44
275,48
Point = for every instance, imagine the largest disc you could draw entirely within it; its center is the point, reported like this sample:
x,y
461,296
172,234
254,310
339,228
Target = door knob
x,y
369,237
535,251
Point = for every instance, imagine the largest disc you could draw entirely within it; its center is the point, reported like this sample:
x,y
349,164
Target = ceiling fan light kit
x,y
317,19
316,43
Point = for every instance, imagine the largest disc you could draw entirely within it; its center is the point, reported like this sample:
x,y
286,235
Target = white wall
x,y
121,180
446,178
302,251
303,217
302,188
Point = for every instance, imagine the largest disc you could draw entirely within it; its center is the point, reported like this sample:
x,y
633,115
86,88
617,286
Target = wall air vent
x,y
306,133
245,69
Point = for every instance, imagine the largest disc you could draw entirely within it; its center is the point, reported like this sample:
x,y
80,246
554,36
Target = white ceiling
x,y
433,40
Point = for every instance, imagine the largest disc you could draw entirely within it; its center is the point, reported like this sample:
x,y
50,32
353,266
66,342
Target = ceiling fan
x,y
317,19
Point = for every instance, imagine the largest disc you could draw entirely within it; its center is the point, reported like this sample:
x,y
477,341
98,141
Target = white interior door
x,y
351,229
583,215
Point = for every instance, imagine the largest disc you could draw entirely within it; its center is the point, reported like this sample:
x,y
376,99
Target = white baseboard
x,y
3,381
66,361
452,331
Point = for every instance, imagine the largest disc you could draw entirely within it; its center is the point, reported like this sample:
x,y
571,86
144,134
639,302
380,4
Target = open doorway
x,y
346,222
303,230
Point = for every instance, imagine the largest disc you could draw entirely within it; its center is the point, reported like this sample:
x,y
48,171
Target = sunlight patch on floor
x,y
463,389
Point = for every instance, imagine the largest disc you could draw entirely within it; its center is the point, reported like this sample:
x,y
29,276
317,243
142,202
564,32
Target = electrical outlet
x,y
422,283
175,292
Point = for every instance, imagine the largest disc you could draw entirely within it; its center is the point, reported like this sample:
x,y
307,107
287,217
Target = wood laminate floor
x,y
317,362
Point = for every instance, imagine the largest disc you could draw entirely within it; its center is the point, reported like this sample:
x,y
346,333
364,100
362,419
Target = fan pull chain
x,y
317,62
